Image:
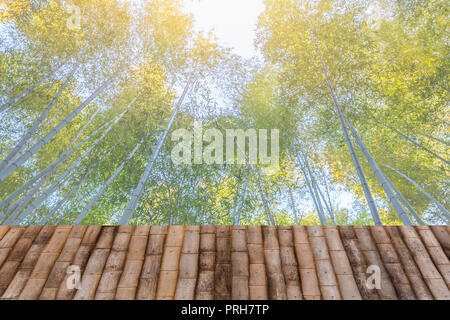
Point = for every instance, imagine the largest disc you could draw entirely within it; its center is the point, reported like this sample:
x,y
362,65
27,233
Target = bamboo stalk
x,y
38,145
429,272
358,262
205,282
170,264
44,264
20,279
3,231
307,267
187,279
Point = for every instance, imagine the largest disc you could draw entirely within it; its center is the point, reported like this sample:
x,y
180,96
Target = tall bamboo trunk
x,y
293,208
36,124
55,209
412,141
50,190
137,193
97,196
382,179
19,162
429,196
43,176
362,177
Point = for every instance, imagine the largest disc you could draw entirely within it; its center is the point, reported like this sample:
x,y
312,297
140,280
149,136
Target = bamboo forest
x,y
349,98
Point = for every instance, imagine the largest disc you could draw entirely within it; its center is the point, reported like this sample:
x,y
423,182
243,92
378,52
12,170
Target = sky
x,y
233,21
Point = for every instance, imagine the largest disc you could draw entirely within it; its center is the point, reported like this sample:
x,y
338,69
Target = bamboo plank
x,y
275,277
205,283
3,231
443,237
187,278
222,275
239,264
109,280
325,272
64,260
289,263
307,267
392,263
21,247
20,279
129,280
8,241
357,262
80,260
429,272
373,258
341,265
95,265
257,268
152,264
170,264
436,252
409,265
44,264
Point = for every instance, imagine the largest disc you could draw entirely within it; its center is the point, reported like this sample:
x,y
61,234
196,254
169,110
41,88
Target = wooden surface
x,y
224,263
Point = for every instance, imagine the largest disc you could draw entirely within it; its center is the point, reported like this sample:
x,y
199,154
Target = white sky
x,y
233,21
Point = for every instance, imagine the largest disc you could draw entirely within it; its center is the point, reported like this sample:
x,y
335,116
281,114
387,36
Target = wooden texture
x,y
373,258
222,273
205,283
327,277
391,262
223,263
275,277
239,264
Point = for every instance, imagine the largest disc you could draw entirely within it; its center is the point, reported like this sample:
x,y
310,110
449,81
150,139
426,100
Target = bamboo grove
x,y
358,90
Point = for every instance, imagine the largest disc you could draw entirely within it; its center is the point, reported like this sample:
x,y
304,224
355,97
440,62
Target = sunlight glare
x,y
233,21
